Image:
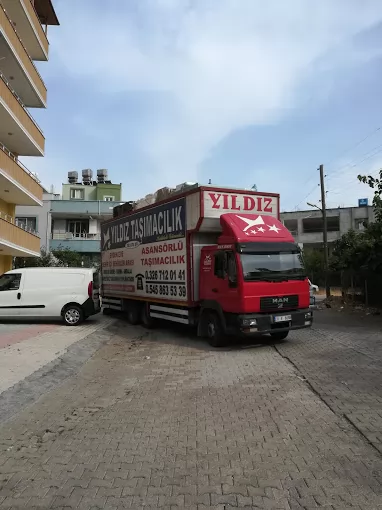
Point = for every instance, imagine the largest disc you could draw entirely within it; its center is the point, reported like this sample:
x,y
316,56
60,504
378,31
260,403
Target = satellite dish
x,y
254,187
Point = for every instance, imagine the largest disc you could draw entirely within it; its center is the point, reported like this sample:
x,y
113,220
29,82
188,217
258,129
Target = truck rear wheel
x,y
147,321
133,315
214,330
279,335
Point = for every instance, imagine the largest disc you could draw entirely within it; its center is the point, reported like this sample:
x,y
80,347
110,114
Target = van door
x,y
10,294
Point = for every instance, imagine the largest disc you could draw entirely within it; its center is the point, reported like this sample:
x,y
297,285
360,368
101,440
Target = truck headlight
x,y
248,322
308,315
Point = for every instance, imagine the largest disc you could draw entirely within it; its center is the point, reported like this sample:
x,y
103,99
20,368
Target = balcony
x,y
18,131
17,184
82,208
16,241
26,21
17,66
83,243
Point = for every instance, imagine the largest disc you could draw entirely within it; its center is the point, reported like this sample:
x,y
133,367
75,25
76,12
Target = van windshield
x,y
272,266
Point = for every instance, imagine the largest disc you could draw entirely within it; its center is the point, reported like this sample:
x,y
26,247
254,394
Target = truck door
x,y
225,286
10,294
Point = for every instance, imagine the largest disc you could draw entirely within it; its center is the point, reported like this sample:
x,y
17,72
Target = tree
x,y
56,258
314,265
376,184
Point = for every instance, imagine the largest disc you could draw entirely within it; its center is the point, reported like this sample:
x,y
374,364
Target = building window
x,y
76,194
29,224
78,228
108,199
292,226
360,224
316,225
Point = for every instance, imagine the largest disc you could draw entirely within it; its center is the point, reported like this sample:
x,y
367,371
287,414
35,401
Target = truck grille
x,y
278,303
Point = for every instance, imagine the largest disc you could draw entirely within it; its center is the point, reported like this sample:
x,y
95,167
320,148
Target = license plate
x,y
282,318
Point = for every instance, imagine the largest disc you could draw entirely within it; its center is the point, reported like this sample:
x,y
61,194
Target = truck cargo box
x,y
153,253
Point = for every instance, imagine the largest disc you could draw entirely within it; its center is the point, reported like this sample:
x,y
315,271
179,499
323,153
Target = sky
x,y
242,92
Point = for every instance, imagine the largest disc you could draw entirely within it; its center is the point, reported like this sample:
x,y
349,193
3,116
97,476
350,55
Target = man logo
x,y
280,302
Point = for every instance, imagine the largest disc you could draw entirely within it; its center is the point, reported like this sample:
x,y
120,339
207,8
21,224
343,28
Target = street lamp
x,y
326,251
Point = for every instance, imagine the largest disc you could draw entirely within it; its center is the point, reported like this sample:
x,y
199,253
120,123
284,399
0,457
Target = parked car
x,y
50,292
313,288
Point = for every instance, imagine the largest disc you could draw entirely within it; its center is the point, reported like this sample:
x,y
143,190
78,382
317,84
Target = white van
x,y
41,292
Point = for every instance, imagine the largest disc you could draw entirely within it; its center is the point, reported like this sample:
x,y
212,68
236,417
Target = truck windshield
x,y
272,266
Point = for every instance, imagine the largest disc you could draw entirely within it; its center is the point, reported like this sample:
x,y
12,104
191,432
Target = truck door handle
x,y
215,290
19,295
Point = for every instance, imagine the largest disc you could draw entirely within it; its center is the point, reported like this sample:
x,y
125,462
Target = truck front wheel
x,y
279,335
214,330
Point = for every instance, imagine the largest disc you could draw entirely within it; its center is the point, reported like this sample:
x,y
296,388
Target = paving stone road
x,y
159,420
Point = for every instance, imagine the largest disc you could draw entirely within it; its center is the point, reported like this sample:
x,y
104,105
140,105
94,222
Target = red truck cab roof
x,y
252,228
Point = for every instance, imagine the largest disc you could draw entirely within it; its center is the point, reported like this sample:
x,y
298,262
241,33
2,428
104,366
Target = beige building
x,y
23,39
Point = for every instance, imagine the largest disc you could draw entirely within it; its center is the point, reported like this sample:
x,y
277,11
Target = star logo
x,y
273,228
254,231
252,223
261,229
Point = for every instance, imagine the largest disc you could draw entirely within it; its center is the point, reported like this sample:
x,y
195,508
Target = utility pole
x,y
325,230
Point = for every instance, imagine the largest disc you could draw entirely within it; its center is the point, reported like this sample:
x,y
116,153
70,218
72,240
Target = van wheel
x,y
73,315
147,321
279,335
214,330
133,315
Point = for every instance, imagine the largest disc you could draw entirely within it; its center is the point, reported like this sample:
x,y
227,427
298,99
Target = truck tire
x,y
133,315
279,335
214,330
147,321
73,315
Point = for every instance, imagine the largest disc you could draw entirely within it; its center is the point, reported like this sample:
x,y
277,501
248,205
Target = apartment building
x,y
307,226
72,219
23,40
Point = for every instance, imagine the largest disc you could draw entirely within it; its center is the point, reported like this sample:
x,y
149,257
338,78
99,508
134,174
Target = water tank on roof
x,y
73,177
87,176
102,175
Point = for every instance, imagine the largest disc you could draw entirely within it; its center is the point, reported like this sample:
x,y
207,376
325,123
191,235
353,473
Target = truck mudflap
x,y
276,322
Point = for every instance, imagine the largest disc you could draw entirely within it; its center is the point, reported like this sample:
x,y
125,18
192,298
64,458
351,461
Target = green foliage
x,y
376,184
56,258
362,251
314,262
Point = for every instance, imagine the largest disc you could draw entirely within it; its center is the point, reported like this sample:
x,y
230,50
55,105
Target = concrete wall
x,y
349,218
43,219
97,192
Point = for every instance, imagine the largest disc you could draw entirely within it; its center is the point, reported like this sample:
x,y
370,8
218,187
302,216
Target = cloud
x,y
218,65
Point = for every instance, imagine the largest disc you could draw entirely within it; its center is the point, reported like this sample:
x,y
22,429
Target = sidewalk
x,y
25,348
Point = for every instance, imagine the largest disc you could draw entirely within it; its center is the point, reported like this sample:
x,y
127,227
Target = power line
x,y
354,146
308,195
368,155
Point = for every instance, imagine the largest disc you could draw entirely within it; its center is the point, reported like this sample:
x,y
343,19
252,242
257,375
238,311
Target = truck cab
x,y
253,281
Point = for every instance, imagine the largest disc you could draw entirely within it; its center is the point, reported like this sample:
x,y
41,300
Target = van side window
x,y
219,264
10,281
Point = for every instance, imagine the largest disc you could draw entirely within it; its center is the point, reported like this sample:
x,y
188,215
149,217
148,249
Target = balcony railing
x,y
18,162
10,219
41,34
68,236
13,36
20,102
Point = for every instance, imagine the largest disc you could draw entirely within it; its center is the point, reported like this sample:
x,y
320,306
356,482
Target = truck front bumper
x,y
252,324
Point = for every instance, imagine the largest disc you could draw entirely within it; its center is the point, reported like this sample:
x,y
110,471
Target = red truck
x,y
216,258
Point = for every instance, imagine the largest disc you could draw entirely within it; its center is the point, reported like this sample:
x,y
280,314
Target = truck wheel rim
x,y
72,316
211,329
